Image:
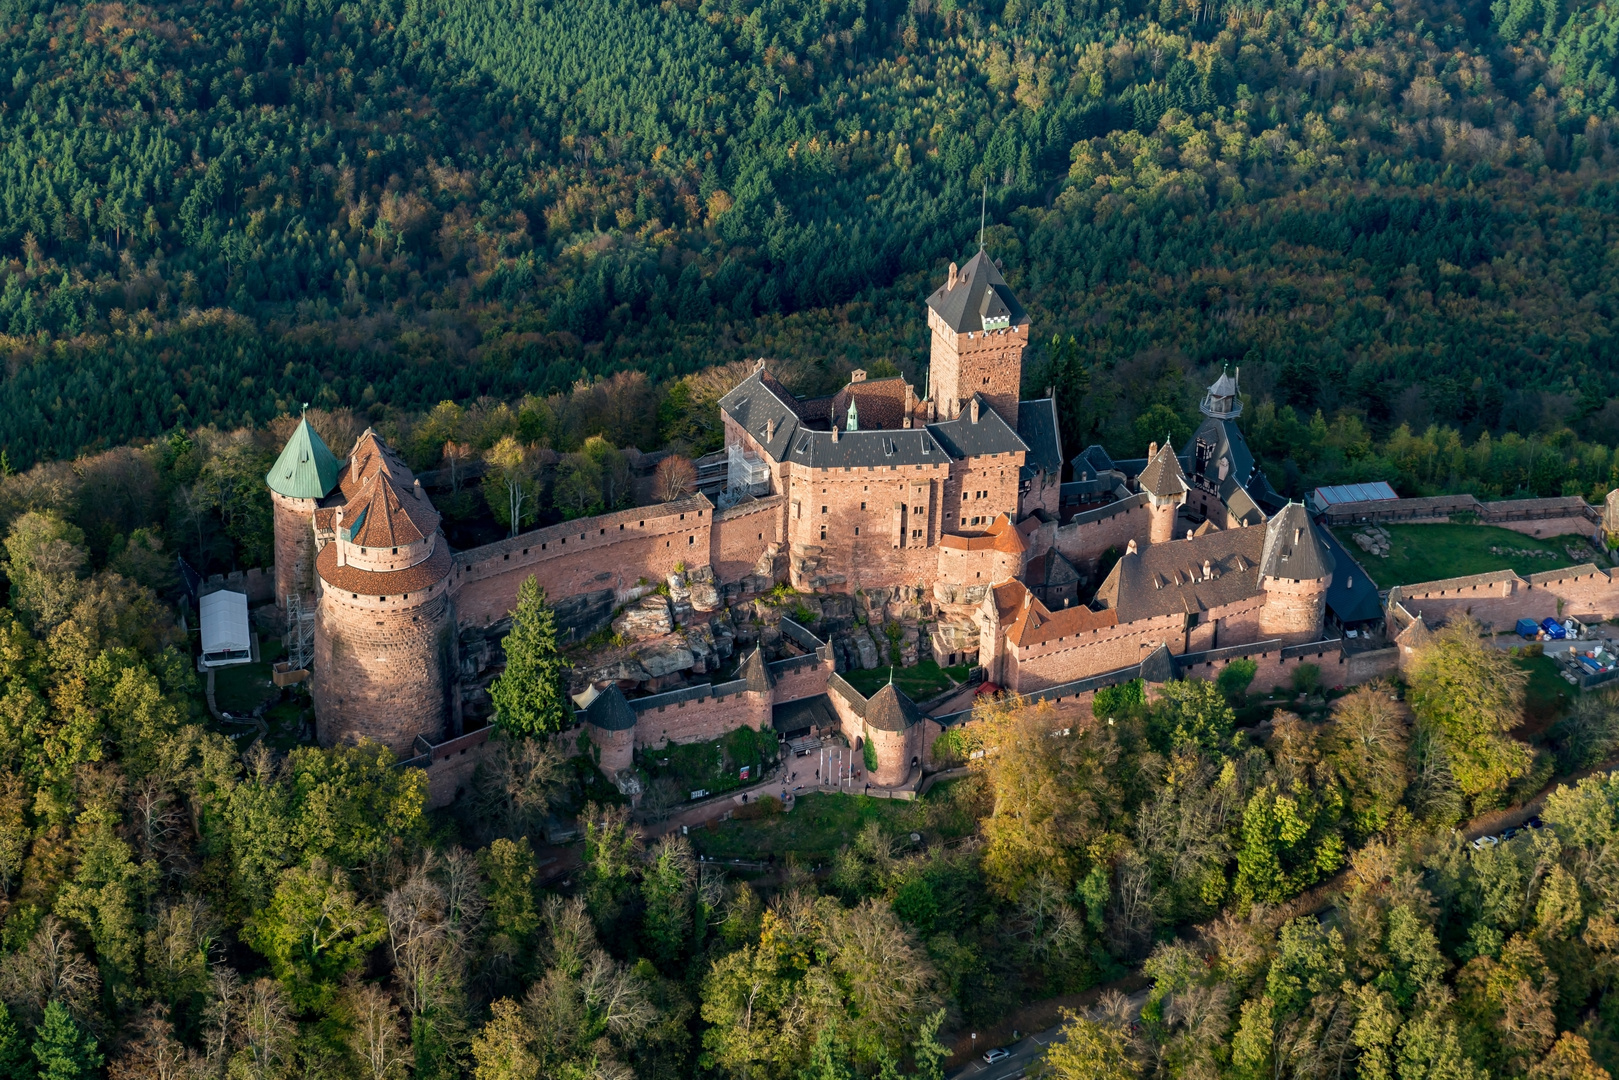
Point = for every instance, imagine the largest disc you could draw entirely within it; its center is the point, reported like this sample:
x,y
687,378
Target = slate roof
x,y
610,711
1292,548
810,712
756,401
1352,596
962,438
890,710
306,469
1037,428
1091,462
1163,475
1050,568
757,672
980,293
862,449
1167,579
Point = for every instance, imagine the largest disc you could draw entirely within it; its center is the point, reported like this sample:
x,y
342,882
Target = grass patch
x,y
1434,552
285,723
716,766
919,683
242,688
823,822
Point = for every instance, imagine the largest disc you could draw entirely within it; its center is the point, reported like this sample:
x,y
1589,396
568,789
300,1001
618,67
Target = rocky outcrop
x,y
648,617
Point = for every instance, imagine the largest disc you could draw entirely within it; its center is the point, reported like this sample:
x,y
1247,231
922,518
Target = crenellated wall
x,y
612,551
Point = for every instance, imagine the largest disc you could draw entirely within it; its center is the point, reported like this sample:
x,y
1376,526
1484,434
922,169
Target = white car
x,y
998,1054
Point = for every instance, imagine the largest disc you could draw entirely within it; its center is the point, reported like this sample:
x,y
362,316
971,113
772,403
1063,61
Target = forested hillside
x,y
209,214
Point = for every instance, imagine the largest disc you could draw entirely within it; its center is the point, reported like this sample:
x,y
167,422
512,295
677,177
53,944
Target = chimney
x,y
417,489
760,366
770,430
1152,450
857,375
953,273
1298,534
1130,549
337,524
834,431
1189,534
975,410
1208,571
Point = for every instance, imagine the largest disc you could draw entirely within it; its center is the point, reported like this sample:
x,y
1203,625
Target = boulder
x,y
666,658
705,596
866,648
622,671
648,617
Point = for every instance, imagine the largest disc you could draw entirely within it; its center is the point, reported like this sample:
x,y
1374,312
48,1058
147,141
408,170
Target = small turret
x,y
1222,401
1295,570
1163,481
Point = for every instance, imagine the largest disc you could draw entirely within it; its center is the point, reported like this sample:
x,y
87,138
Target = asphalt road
x,y
1026,1051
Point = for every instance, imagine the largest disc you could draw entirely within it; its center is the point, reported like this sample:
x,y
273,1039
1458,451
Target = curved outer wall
x,y
294,546
382,668
1293,609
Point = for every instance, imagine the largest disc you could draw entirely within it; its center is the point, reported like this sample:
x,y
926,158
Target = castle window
x,y
862,506
857,530
542,547
407,596
506,557
691,540
823,509
601,532
396,551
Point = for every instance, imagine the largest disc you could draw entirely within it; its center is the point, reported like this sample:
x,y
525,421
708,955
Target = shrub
x,y
1113,700
1306,678
1235,679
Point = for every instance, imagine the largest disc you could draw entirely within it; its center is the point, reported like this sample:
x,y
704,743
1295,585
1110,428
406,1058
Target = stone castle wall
x,y
1498,600
848,530
1089,536
382,668
701,720
740,535
612,551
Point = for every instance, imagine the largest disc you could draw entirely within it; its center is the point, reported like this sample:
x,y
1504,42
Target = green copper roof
x,y
305,469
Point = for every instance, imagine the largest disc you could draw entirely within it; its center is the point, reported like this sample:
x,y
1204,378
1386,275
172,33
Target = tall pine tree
x,y
531,694
64,1050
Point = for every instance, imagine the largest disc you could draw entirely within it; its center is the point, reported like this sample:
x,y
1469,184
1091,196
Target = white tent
x,y
225,636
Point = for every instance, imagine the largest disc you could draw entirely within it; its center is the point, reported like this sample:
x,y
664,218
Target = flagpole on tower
x,y
983,203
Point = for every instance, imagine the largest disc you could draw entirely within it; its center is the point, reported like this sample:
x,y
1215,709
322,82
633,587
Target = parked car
x,y
997,1054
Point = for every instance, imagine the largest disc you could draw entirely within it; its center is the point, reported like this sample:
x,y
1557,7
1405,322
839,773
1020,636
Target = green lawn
x,y
824,822
919,683
715,765
242,687
1432,552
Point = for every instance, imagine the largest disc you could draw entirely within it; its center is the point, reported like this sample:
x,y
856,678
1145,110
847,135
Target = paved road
x,y
1027,1051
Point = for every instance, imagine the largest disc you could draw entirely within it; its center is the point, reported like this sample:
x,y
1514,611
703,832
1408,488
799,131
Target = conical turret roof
x,y
306,469
1292,549
1163,477
890,710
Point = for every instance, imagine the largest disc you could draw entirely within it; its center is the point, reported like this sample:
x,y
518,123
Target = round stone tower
x,y
1163,481
1295,571
385,629
305,473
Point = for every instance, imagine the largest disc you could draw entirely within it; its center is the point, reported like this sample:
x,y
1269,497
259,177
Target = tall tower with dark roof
x,y
385,628
1295,571
305,473
1163,481
979,332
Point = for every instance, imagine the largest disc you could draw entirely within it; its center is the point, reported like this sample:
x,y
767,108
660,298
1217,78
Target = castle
x,y
948,505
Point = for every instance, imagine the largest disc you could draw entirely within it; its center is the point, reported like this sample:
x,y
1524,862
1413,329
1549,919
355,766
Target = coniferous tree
x,y
530,696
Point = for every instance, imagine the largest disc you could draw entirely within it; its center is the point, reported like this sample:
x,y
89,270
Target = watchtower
x,y
1295,571
979,334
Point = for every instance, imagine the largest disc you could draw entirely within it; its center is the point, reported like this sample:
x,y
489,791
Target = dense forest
x,y
1283,870
209,215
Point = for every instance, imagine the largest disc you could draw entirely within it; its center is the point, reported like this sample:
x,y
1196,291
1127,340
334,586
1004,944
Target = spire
x,y
854,415
983,205
306,469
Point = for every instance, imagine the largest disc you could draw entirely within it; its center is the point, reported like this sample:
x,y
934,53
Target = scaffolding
x,y
746,474
300,633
